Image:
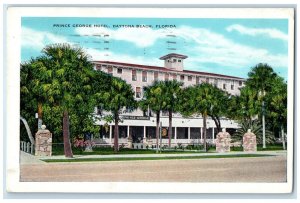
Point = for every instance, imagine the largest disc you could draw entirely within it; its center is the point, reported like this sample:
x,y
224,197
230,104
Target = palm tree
x,y
35,78
278,105
220,108
260,78
71,73
198,100
247,105
119,99
172,90
256,128
154,98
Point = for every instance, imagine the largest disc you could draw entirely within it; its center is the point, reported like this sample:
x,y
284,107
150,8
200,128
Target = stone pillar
x,y
223,141
43,142
249,142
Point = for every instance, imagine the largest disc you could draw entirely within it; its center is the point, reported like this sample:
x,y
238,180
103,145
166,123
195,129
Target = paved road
x,y
258,169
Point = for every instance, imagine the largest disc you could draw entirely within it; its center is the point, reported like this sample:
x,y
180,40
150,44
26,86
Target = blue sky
x,y
224,46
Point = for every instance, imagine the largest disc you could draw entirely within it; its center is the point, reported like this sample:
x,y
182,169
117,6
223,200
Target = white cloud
x,y
98,55
34,39
203,47
141,37
273,33
210,47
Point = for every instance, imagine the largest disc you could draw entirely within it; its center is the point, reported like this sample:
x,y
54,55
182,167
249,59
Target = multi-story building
x,y
140,125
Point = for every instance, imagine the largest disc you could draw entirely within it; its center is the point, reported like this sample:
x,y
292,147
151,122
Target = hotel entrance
x,y
137,133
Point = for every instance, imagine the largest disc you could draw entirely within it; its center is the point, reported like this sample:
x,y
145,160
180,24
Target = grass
x,y
59,150
154,158
273,147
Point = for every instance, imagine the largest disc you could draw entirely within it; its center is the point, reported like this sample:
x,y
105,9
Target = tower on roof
x,y
174,61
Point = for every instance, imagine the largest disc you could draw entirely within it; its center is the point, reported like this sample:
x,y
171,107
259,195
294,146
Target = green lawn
x,y
154,158
59,150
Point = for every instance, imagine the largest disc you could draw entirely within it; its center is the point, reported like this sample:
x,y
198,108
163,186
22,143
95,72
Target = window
x,y
207,80
155,75
110,70
240,83
179,60
174,60
133,75
147,113
182,77
99,110
174,76
216,82
232,87
189,78
165,113
197,80
166,76
119,70
98,67
138,93
144,76
224,86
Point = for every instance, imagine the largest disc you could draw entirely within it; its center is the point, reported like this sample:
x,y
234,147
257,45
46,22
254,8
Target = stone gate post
x,y
223,141
249,142
43,142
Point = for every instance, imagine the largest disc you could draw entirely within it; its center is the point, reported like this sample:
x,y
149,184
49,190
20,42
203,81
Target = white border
x,y
14,15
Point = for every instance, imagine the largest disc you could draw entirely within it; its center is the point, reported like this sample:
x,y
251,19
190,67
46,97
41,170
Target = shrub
x,y
256,128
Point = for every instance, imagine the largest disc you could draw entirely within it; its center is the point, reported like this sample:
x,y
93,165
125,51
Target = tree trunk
x,y
217,122
170,128
157,129
66,135
40,115
282,137
263,125
116,134
204,130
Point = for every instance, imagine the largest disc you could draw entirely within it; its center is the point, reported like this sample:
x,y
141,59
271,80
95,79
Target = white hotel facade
x,y
140,125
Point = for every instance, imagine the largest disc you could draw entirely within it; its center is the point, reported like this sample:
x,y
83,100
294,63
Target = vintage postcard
x,y
141,100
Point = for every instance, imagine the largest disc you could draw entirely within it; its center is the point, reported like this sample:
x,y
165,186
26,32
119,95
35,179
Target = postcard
x,y
142,100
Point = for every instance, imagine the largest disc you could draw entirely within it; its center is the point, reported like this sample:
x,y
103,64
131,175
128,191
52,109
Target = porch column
x,y
144,132
110,133
201,133
189,134
128,130
213,134
175,135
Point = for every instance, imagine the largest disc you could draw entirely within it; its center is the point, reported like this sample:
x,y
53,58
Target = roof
x,y
163,69
173,55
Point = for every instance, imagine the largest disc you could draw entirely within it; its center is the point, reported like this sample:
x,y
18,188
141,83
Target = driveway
x,y
255,169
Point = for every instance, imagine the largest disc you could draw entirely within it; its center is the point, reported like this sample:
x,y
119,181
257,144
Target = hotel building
x,y
140,125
